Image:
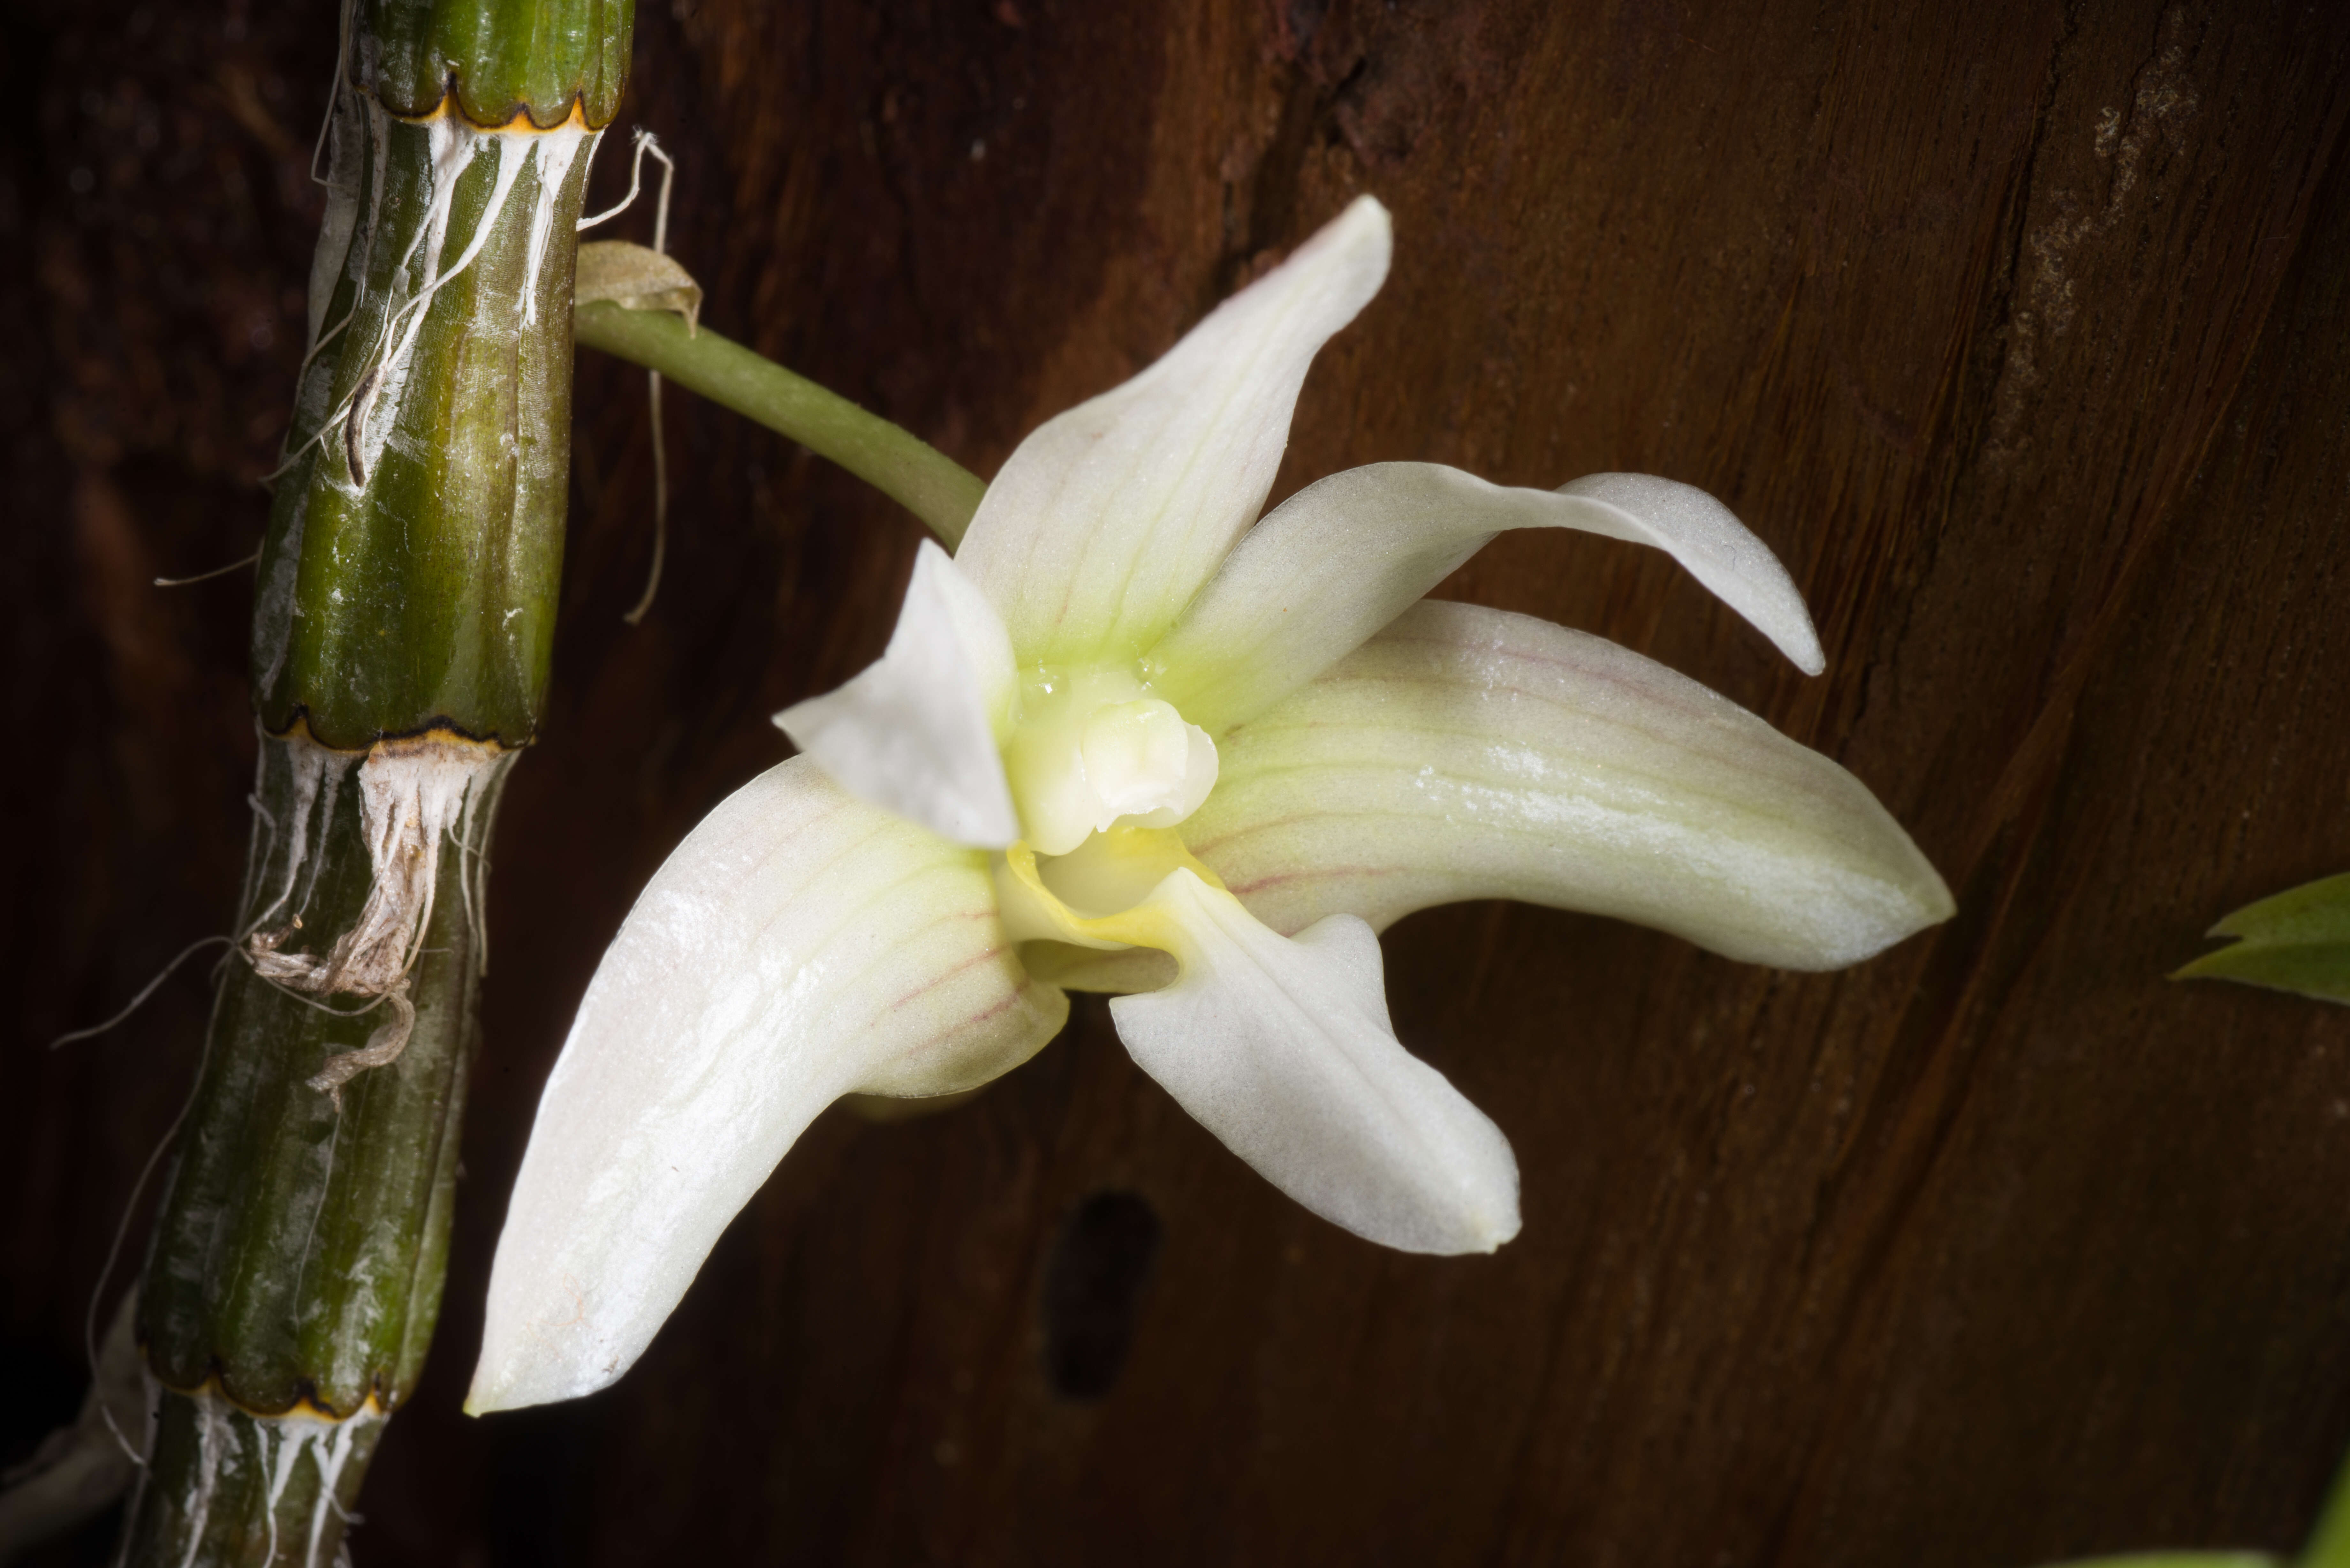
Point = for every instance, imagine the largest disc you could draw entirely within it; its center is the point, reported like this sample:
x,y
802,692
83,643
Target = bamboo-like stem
x,y
295,1270
925,481
403,621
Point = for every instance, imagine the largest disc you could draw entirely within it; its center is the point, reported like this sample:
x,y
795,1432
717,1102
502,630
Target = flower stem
x,y
926,481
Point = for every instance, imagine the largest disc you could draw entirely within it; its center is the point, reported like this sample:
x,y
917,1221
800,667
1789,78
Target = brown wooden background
x,y
2021,330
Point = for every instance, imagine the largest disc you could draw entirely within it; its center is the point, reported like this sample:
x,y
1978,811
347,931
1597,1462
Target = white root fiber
x,y
238,1446
368,412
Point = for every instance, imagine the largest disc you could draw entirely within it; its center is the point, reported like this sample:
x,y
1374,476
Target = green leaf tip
x,y
2297,940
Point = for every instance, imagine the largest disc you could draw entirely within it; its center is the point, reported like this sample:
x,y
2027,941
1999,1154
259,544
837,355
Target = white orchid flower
x,y
1122,741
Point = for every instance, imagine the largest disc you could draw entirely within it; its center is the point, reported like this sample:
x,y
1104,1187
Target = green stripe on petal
x,y
799,945
1345,557
1466,753
1109,517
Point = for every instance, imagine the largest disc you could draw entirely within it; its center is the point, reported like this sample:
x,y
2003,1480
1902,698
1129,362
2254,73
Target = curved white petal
x,y
1466,753
1282,1049
1109,517
918,732
1711,544
798,945
1345,556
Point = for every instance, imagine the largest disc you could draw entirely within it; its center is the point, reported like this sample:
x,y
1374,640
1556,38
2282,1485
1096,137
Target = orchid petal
x,y
1282,1048
1342,557
798,945
1711,544
1465,753
1109,517
918,732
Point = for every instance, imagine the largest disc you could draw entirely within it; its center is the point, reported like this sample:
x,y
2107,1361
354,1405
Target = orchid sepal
x,y
1107,518
799,945
1467,753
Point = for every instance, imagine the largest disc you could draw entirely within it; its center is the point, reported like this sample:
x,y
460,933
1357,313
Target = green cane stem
x,y
296,1266
403,621
538,59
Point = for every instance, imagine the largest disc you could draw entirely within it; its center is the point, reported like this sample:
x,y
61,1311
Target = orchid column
x,y
404,615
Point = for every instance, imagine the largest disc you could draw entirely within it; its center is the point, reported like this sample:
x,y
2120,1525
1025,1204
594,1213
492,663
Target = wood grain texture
x,y
2021,332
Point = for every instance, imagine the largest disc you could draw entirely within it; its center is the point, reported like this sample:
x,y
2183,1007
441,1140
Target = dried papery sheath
x,y
404,617
415,794
636,277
